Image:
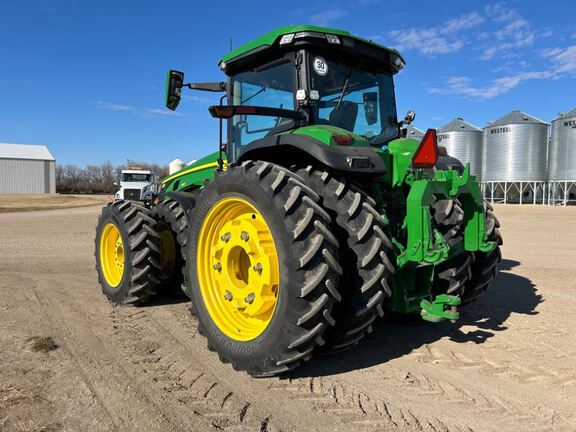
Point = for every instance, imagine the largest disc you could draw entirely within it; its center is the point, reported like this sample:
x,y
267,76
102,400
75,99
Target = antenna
x,y
230,43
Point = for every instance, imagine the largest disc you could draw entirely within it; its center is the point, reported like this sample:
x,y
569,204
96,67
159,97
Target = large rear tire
x,y
366,250
127,252
172,226
485,264
450,276
262,268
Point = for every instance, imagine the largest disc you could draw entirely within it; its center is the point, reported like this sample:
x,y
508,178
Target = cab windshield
x,y
136,177
355,99
272,87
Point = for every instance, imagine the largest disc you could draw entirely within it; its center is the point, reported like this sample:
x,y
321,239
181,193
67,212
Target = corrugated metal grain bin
x,y
562,156
515,149
414,132
464,142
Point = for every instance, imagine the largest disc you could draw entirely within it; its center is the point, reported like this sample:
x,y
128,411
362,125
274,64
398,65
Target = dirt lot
x,y
507,365
30,202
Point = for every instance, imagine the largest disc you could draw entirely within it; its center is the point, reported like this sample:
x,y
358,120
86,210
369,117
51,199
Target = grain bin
x,y
562,156
414,132
464,142
515,149
175,165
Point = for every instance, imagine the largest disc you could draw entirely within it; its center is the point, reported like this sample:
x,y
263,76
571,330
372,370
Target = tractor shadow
x,y
176,296
393,338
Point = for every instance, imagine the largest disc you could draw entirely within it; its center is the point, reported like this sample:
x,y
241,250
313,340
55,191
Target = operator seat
x,y
344,116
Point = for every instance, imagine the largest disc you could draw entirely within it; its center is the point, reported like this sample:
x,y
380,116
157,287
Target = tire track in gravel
x,y
112,374
271,411
169,368
359,408
493,360
310,397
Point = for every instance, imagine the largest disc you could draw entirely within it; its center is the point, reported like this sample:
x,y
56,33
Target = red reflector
x,y
427,153
342,139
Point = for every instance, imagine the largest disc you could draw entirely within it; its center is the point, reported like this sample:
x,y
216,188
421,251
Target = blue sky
x,y
86,78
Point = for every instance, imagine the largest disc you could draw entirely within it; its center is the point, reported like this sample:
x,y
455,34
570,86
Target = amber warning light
x,y
427,153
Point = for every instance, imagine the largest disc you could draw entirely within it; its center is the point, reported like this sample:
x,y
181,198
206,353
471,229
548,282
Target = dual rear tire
x,y
263,269
127,252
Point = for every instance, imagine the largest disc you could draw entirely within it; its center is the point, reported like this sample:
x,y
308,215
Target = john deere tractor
x,y
315,217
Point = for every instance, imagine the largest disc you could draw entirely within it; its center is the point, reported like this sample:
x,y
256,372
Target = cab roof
x,y
273,43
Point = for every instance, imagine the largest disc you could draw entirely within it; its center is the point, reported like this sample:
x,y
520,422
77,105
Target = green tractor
x,y
315,217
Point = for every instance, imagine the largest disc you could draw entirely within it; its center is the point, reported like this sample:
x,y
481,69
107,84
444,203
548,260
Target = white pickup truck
x,y
136,185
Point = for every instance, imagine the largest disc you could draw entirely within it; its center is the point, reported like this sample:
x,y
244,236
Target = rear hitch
x,y
443,307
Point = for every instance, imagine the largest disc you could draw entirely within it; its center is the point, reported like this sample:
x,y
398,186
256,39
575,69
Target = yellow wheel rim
x,y
168,251
112,255
238,269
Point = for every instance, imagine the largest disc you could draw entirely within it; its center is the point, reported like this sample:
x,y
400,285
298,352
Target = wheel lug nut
x,y
228,296
226,237
250,298
244,236
218,266
257,268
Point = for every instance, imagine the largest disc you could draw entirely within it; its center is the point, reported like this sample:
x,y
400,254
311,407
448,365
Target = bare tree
x,y
97,178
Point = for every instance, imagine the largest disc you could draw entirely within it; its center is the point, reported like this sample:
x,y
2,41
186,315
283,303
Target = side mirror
x,y
371,107
410,116
174,83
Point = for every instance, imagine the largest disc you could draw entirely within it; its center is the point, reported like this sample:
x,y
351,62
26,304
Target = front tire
x,y
262,268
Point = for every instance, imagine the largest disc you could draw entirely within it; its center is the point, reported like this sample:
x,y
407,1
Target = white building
x,y
26,169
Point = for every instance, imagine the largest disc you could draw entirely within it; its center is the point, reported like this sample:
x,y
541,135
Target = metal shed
x,y
26,169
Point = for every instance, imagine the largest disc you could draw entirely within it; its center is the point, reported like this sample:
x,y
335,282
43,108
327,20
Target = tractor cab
x,y
315,81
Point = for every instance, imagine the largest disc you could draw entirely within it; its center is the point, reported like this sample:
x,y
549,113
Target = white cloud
x,y
563,59
463,86
562,62
500,12
442,39
161,112
146,113
112,107
326,17
515,32
197,98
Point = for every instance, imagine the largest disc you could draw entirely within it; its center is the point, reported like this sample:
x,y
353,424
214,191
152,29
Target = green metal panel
x,y
192,175
324,134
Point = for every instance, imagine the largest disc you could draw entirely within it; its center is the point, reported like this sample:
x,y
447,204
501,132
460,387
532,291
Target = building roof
x,y
25,151
516,117
457,125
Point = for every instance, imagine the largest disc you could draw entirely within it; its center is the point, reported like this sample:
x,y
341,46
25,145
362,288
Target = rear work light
x,y
427,153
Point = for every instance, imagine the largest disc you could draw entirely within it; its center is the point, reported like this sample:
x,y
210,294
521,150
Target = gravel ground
x,y
33,202
507,365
